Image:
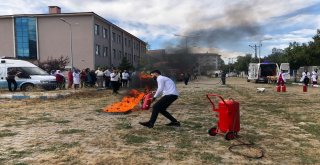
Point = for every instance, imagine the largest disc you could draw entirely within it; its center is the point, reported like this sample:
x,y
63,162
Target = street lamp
x,y
230,59
70,29
260,45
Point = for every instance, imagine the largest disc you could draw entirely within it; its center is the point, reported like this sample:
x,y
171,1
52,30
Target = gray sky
x,y
224,27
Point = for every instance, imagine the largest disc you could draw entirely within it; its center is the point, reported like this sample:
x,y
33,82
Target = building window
x,y
96,29
119,39
114,53
97,49
105,51
129,43
120,55
26,37
105,33
125,41
113,36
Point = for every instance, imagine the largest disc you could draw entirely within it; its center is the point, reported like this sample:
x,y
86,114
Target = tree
x,y
242,63
125,65
54,64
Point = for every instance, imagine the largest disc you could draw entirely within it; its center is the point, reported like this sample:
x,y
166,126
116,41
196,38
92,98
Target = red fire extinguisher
x,y
147,99
283,88
229,118
305,88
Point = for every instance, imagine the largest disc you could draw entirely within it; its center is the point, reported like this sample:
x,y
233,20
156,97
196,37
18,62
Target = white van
x,y
31,75
259,72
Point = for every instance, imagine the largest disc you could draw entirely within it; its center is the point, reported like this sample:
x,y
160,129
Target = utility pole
x,y
260,45
255,47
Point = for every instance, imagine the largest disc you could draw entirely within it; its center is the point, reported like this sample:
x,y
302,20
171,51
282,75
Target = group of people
x,y
305,78
90,78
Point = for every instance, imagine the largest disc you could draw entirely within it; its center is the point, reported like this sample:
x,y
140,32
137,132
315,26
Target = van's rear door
x,y
3,75
253,71
285,67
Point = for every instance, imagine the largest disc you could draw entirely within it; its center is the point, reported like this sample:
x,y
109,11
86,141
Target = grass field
x,y
74,130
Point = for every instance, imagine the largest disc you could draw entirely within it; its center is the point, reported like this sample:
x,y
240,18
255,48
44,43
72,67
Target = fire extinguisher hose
x,y
251,146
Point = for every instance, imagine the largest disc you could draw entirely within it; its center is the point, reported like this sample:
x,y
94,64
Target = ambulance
x,y
259,72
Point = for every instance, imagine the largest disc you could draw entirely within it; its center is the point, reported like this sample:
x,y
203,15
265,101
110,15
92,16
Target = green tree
x,y
243,63
125,65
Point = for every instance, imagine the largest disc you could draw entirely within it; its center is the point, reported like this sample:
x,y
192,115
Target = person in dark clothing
x,y
168,89
186,78
306,80
94,77
223,78
12,72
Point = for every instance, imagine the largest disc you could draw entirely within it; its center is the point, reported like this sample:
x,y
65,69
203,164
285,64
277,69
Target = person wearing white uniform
x,y
76,78
314,77
125,78
169,92
115,78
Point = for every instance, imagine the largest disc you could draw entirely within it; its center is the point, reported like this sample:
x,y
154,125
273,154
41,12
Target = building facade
x,y
211,60
87,39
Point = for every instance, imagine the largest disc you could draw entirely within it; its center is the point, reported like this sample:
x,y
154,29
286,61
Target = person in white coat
x,y
305,76
76,78
314,77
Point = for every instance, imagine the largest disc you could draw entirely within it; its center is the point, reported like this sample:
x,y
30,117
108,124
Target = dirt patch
x,y
74,130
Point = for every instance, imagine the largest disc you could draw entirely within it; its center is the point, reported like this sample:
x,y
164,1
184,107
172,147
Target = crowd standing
x,y
100,78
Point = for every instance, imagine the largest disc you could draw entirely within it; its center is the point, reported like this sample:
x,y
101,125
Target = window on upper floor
x,y
96,29
114,37
105,33
119,39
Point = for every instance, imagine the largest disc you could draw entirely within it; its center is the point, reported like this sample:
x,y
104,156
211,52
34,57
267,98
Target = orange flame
x,y
127,103
145,76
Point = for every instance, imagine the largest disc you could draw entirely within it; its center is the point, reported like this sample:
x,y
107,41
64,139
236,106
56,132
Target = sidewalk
x,y
35,95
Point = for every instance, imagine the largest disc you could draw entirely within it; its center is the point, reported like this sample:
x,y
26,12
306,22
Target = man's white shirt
x,y
165,87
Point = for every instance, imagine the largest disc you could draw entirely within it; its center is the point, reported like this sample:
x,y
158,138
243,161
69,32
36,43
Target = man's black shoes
x,y
174,124
146,124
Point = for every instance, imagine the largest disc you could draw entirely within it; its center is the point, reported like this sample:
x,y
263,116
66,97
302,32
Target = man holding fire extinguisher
x,y
168,89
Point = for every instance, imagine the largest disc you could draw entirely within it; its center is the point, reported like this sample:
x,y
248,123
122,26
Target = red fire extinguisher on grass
x,y
229,118
305,88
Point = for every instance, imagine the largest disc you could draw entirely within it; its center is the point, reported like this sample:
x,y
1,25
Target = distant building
x,y
87,37
275,50
208,62
156,52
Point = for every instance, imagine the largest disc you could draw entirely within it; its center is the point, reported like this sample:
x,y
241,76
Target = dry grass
x,y
74,130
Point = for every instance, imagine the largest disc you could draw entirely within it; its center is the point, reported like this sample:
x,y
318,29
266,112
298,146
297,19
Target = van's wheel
x,y
27,87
